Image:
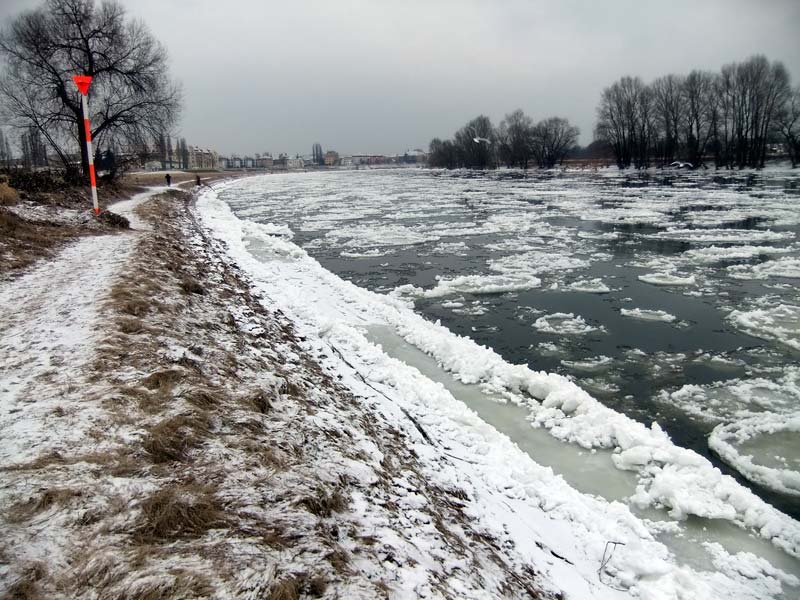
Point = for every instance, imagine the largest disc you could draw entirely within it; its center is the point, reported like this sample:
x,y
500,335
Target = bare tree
x,y
668,108
5,151
515,139
552,139
131,97
750,96
626,120
475,143
699,108
788,125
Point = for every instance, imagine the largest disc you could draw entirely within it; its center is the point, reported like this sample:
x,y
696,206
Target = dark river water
x,y
560,231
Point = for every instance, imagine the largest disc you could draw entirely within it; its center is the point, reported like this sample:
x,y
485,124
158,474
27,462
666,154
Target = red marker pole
x,y
83,81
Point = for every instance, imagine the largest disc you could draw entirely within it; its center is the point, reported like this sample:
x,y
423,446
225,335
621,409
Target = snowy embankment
x,y
511,491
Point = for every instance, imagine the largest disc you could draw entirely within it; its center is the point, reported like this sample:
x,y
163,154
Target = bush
x,y
8,195
36,181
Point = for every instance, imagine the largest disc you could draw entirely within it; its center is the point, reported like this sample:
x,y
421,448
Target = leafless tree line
x,y
132,100
730,117
516,142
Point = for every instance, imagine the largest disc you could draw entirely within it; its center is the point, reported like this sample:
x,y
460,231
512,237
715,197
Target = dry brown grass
x,y
131,326
24,242
286,589
8,195
26,586
23,511
163,380
323,504
190,285
179,511
172,438
203,398
259,401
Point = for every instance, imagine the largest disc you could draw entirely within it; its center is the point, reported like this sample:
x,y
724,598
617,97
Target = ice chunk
x,y
781,323
727,441
648,315
564,324
667,279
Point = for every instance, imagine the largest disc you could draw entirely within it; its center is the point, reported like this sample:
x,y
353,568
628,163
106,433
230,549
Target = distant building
x,y
346,161
369,159
295,163
331,158
264,162
202,158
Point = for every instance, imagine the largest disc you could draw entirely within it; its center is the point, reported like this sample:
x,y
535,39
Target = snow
x,y
675,479
644,314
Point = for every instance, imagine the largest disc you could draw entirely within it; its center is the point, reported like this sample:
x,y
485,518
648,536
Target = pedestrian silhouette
x,y
168,177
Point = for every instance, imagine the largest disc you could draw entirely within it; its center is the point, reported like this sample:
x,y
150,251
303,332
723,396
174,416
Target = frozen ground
x,y
440,242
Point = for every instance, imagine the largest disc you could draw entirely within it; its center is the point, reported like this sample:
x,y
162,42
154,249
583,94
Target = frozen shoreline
x,y
669,476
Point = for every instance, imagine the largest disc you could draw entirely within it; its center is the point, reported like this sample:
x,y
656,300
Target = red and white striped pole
x,y
83,81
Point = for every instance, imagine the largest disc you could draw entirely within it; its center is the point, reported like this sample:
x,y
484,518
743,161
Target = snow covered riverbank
x,y
337,315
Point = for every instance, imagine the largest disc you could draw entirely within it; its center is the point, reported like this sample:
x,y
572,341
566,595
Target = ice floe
x,y
668,279
564,324
726,440
780,323
644,314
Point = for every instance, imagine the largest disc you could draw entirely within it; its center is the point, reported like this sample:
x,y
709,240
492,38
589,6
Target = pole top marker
x,y
82,81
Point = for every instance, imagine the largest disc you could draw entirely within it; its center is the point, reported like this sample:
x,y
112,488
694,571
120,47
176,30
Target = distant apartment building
x,y
202,158
264,161
368,159
295,163
331,158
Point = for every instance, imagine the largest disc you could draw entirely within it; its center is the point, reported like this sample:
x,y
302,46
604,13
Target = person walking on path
x,y
168,177
197,179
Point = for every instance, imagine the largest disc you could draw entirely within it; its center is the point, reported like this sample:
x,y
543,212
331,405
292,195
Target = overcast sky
x,y
378,76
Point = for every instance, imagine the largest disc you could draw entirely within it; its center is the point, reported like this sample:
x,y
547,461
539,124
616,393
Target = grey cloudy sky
x,y
385,76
